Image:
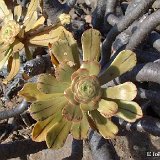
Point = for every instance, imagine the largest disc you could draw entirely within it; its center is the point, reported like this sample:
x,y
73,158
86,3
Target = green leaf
x,y
128,110
31,93
40,110
17,13
126,91
48,84
3,9
64,71
58,134
6,57
72,112
105,127
107,108
92,66
79,130
91,45
31,21
41,128
30,11
14,68
48,36
89,106
123,62
70,96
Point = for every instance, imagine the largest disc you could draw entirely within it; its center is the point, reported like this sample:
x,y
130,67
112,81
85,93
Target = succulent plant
x,y
73,100
17,33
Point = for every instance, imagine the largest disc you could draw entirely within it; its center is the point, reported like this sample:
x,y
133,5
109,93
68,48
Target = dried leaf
x,y
14,68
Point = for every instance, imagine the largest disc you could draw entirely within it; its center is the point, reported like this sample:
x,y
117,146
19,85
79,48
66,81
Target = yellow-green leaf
x,y
31,9
41,128
38,23
40,110
91,45
105,126
6,57
46,37
128,110
3,9
126,91
31,21
72,112
49,84
17,12
92,66
14,68
79,130
62,51
123,62
31,93
58,134
64,71
107,108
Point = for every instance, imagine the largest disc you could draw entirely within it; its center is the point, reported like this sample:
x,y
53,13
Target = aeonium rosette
x,y
73,99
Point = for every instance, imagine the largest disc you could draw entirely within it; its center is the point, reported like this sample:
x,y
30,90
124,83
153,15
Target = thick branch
x,y
146,124
20,148
149,24
122,25
15,111
154,39
149,94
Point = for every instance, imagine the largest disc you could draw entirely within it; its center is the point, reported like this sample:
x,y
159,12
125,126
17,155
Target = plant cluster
x,y
73,100
18,33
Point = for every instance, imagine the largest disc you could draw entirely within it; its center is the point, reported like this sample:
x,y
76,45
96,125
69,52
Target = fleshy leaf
x,y
105,126
126,91
70,96
6,57
58,134
31,9
41,128
62,51
80,72
38,23
128,110
107,108
17,12
3,9
64,71
31,21
14,68
40,110
48,84
31,93
79,130
123,62
91,45
89,106
50,35
92,66
72,112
